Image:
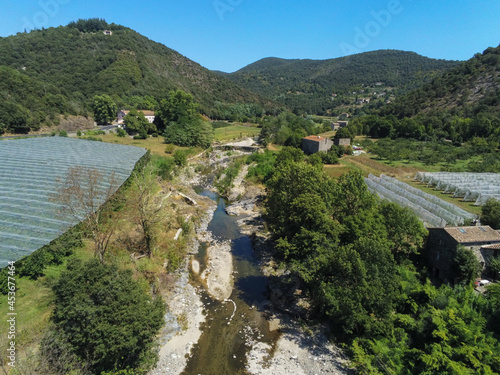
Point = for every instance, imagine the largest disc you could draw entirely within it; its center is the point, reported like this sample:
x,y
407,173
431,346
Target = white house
x,y
150,115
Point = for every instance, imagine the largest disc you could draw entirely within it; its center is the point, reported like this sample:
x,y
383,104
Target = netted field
x,y
471,187
29,174
432,210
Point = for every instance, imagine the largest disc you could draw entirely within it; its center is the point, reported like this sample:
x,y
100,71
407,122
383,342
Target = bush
x,y
180,158
494,267
329,157
121,132
95,132
105,318
170,148
63,133
78,133
465,265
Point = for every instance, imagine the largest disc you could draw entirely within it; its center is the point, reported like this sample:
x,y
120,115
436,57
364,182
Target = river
x,y
233,324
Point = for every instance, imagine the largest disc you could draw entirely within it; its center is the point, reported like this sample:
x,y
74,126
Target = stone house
x,y
343,124
442,246
342,141
315,143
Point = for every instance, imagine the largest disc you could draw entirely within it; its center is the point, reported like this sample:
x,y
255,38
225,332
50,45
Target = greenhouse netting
x,y
432,210
471,187
29,173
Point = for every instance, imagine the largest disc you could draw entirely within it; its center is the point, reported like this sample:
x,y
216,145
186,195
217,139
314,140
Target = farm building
x,y
342,141
315,143
442,246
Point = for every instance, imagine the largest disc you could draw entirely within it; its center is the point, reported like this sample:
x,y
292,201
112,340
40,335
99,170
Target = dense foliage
x,y
354,256
434,331
490,213
55,71
137,124
334,236
183,125
104,109
288,129
306,86
461,105
104,318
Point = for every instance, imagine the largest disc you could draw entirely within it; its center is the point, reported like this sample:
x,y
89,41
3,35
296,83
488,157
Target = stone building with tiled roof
x,y
315,143
442,246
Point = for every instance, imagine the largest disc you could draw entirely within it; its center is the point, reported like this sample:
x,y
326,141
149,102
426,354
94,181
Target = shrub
x,y
180,158
105,318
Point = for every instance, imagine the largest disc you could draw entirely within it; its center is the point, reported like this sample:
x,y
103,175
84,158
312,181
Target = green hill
x,y
308,85
55,71
470,89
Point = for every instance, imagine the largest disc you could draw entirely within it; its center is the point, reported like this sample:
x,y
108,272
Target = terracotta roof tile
x,y
316,138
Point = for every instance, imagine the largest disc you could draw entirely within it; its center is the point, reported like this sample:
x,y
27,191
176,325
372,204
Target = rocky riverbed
x,y
297,350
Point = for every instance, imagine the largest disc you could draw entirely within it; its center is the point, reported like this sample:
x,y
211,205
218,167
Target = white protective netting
x,y
432,210
471,187
29,175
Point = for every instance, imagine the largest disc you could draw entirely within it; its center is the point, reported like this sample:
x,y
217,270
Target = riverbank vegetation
x,y
358,260
87,314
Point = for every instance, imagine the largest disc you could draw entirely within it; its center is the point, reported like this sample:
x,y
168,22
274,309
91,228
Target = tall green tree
x,y
105,318
190,132
179,106
104,108
465,265
136,123
490,213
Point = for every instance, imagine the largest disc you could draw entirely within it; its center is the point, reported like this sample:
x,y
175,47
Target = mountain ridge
x,y
75,62
315,80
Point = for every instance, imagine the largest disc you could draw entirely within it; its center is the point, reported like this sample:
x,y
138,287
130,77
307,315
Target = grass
x,y
156,145
367,164
467,206
233,132
336,170
34,304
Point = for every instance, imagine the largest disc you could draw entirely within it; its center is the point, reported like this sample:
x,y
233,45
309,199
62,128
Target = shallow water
x,y
223,344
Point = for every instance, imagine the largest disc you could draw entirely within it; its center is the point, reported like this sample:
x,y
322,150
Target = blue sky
x,y
230,34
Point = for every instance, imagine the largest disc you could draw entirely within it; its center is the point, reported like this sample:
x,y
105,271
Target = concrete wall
x,y
311,146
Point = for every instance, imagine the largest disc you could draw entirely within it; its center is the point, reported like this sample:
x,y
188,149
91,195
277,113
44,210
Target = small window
x,y
462,230
484,230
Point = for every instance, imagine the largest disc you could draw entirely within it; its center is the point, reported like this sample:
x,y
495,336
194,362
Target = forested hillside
x,y
308,85
469,90
58,70
454,117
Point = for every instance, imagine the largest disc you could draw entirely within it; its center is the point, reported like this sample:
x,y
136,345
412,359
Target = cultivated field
x,y
29,175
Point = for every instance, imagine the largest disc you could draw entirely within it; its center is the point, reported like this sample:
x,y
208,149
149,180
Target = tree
x,y
179,106
136,123
146,211
191,132
105,318
343,133
405,231
490,213
14,118
104,109
82,194
465,266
